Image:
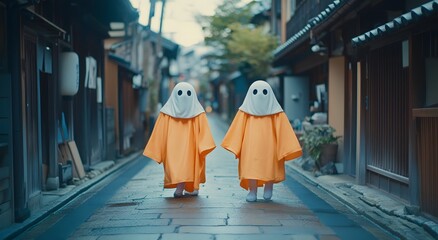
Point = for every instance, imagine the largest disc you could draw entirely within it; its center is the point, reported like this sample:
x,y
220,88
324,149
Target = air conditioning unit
x,y
68,73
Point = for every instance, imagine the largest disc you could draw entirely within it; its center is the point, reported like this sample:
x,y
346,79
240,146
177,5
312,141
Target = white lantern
x,y
68,73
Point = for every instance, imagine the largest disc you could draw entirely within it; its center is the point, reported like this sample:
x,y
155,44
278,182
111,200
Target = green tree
x,y
252,47
239,44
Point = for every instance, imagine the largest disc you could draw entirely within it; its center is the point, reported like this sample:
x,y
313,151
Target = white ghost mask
x,y
260,100
183,102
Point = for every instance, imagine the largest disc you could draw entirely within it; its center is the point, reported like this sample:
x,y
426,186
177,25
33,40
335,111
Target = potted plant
x,y
321,144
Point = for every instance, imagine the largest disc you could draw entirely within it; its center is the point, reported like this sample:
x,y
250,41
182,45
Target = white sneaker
x,y
193,194
267,195
251,197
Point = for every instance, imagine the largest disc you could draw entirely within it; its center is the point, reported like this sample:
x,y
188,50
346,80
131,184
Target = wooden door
x,y
387,126
31,118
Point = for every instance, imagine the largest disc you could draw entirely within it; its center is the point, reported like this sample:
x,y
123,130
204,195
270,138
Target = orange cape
x,y
262,144
181,145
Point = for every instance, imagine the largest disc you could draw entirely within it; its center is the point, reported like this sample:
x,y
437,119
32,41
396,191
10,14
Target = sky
x,y
179,23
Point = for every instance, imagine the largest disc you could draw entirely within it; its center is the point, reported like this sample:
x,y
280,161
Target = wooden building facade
x,y
33,37
131,65
377,59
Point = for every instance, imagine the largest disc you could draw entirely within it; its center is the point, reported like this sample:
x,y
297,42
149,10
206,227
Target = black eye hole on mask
x,y
189,93
254,92
265,91
179,93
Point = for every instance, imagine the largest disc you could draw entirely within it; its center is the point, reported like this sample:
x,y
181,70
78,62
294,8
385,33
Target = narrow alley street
x,y
131,204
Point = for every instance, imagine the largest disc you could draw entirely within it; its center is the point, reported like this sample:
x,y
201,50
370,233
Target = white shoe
x,y
251,197
267,195
193,194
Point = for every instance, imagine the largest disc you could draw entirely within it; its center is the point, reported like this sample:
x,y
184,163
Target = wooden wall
x,y
425,113
427,154
6,183
387,126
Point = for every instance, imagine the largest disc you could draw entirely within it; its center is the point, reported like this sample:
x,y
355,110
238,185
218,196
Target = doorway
x,y
31,119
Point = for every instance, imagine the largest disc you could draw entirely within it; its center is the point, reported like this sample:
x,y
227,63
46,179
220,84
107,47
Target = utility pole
x,y
149,83
155,82
160,54
151,13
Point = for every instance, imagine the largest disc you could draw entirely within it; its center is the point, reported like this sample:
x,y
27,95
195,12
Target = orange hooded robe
x,y
181,144
262,144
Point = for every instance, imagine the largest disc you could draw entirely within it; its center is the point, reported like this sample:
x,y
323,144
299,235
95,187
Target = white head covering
x,y
183,102
260,100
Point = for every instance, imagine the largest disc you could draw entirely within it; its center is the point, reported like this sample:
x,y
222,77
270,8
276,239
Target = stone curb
x,y
96,175
382,210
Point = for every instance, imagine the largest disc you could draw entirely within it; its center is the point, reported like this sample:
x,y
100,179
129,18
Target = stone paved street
x,y
133,205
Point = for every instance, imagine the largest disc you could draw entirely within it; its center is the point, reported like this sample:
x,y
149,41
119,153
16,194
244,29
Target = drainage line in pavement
x,y
69,223
344,227
350,206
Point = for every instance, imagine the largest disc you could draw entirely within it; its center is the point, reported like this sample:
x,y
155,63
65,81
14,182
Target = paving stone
x,y
299,222
131,237
125,223
82,232
188,236
352,233
132,230
118,210
220,229
199,222
84,238
336,220
263,214
214,205
267,221
194,215
309,229
303,237
285,206
265,237
137,216
158,207
328,237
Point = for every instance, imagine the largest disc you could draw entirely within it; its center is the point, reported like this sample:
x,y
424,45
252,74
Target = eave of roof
x,y
171,48
304,32
408,18
123,63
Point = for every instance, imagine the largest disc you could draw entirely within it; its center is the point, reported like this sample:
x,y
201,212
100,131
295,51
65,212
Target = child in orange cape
x,y
181,140
262,138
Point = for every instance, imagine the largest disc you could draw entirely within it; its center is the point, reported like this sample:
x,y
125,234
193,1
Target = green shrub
x,y
315,137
